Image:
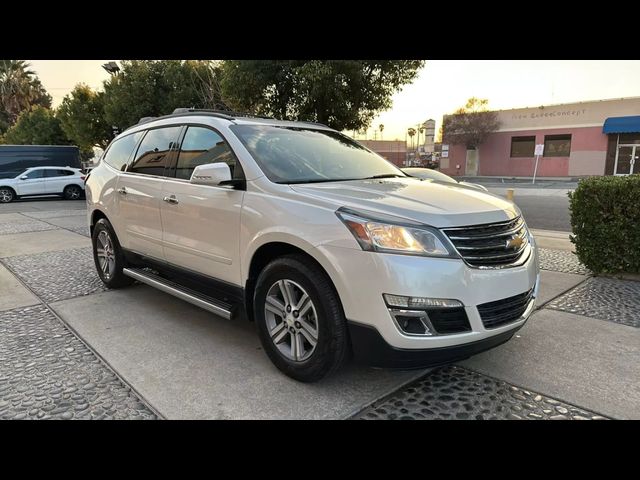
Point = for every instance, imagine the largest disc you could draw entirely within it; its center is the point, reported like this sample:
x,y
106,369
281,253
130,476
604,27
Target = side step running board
x,y
211,304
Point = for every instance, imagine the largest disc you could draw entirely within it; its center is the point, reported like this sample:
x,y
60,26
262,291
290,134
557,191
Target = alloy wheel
x,y
73,193
291,320
106,254
5,195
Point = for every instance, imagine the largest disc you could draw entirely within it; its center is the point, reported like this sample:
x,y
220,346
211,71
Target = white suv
x,y
332,250
40,181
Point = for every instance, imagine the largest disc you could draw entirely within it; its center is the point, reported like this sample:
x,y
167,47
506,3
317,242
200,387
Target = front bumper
x,y
362,277
370,348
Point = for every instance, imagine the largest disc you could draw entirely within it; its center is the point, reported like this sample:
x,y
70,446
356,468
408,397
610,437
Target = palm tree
x,y
381,127
20,89
411,132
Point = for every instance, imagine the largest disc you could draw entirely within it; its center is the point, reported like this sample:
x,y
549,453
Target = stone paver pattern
x,y
561,261
58,275
46,372
605,298
456,393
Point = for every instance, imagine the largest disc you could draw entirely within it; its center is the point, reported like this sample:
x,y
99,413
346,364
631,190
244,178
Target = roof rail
x,y
145,120
229,114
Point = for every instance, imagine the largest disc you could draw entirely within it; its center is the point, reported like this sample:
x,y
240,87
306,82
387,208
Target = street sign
x,y
539,150
445,147
445,154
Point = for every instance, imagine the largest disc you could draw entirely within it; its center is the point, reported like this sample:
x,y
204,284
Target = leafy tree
x,y
38,126
81,116
146,88
20,89
344,94
470,125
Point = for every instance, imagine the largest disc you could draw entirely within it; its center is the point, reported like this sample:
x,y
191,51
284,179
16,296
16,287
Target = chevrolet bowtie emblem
x,y
514,242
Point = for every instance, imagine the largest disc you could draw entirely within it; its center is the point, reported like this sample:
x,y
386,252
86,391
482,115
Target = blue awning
x,y
622,124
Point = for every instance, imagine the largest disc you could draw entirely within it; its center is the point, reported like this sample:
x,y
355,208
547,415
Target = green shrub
x,y
605,219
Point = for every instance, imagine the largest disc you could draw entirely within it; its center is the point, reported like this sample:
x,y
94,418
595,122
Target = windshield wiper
x,y
384,175
318,180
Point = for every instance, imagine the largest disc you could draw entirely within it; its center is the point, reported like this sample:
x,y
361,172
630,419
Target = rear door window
x,y
155,151
58,173
121,150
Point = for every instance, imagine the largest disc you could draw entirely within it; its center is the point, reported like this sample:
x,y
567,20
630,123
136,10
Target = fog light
x,y
400,301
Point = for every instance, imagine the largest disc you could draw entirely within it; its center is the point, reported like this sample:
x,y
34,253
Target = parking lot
x,y
71,349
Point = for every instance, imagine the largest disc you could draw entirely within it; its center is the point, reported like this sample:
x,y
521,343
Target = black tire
x,y
332,347
7,195
72,192
114,278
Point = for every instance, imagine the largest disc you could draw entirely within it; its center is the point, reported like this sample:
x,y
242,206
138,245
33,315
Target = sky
x,y
441,87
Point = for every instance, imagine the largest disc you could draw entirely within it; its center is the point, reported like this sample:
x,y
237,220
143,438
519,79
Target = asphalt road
x,y
546,213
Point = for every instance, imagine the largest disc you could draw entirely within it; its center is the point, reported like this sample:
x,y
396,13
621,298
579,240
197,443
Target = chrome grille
x,y
486,245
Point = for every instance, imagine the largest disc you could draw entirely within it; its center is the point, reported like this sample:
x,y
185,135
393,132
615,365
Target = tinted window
x,y
35,174
557,145
305,155
154,151
57,173
203,145
523,146
120,150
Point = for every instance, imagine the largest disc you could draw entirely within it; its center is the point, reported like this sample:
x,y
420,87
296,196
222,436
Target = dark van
x,y
14,159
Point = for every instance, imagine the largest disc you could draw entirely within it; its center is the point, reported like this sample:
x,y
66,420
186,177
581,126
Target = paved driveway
x,y
71,349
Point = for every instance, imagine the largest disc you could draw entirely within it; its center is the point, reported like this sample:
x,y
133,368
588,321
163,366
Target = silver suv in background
x,y
333,251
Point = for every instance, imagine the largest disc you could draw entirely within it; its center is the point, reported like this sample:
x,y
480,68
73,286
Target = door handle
x,y
172,199
122,191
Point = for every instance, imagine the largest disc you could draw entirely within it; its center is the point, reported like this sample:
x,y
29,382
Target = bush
x,y
605,219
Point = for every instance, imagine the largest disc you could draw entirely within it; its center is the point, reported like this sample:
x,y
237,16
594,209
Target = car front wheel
x,y
300,319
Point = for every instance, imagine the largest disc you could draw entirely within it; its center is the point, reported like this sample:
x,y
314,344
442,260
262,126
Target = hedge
x,y
605,219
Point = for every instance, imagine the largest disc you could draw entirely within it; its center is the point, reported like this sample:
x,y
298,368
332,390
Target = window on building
x,y
557,145
523,146
629,138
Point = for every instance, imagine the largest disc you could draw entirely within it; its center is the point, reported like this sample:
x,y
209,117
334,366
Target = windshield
x,y
306,155
428,173
11,173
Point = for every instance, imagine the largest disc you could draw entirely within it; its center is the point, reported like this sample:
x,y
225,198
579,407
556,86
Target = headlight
x,y
390,236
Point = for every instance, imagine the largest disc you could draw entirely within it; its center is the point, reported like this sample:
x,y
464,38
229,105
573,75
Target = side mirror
x,y
23,177
211,174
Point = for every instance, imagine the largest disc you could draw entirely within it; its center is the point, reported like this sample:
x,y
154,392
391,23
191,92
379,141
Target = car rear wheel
x,y
72,192
6,195
300,319
108,256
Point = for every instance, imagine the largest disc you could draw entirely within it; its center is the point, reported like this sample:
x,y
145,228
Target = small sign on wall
x,y
445,153
539,149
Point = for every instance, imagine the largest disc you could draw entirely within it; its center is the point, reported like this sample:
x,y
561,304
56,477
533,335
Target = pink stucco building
x,y
580,139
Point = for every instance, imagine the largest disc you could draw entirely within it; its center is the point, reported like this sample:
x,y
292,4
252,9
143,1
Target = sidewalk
x,y
76,350
552,239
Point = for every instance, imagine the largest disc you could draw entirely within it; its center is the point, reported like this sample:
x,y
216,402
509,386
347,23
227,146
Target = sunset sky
x,y
442,86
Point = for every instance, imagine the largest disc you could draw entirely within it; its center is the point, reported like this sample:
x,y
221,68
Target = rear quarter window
x,y
121,150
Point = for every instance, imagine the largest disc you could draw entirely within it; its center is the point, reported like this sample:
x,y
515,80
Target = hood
x,y
437,204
